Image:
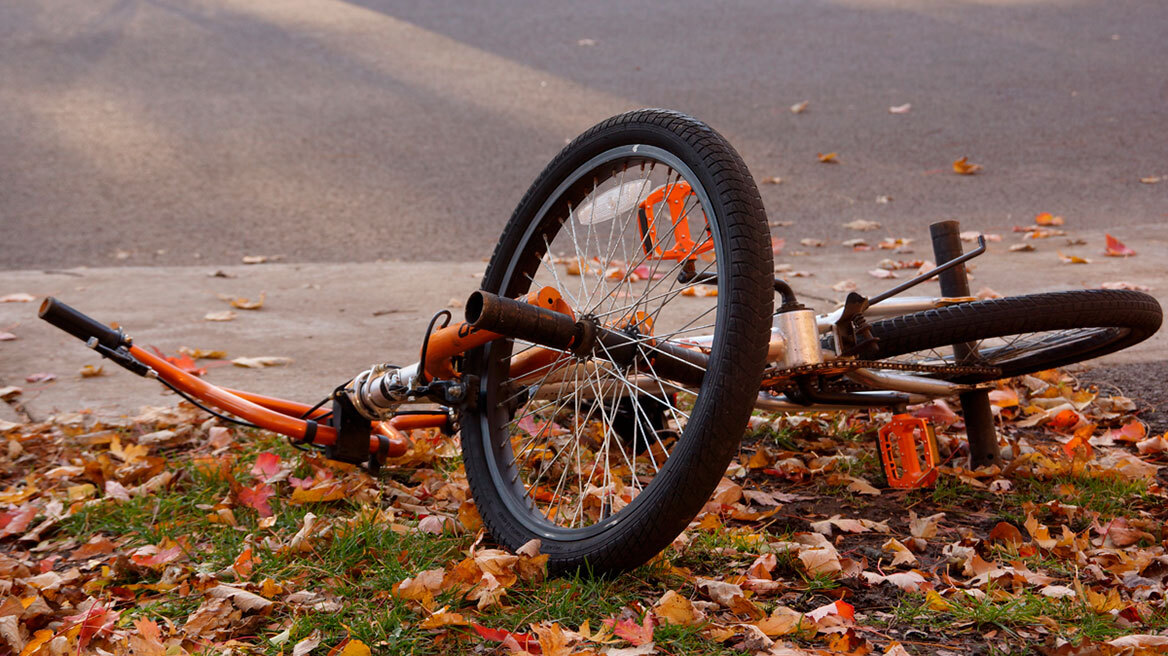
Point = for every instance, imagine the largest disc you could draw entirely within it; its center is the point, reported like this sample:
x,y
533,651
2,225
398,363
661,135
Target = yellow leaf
x,y
782,621
79,492
442,618
673,608
935,601
355,648
91,370
247,304
828,158
964,167
38,640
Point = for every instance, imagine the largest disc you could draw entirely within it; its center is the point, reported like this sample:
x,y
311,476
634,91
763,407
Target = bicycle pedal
x,y
908,451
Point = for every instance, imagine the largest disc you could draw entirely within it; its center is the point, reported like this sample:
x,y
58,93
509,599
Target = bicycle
x,y
623,334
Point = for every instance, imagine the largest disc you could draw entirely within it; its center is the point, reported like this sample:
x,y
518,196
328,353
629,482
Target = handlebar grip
x,y
79,325
487,311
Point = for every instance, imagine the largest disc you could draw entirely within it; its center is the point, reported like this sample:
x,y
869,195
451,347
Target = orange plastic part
x,y
684,247
908,449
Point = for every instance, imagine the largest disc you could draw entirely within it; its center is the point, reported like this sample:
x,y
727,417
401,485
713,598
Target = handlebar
x,y
79,325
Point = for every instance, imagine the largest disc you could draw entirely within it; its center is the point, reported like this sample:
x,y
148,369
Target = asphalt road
x,y
171,132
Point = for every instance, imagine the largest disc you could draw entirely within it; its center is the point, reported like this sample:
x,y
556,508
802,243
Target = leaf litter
x,y
167,533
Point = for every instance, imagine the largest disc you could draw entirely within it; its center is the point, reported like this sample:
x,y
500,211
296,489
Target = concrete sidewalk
x,y
336,319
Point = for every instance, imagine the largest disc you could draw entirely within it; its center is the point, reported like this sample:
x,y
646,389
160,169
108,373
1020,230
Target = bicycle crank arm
x,y
584,338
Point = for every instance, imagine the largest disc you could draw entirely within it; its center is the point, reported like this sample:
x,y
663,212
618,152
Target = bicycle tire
x,y
505,483
1060,328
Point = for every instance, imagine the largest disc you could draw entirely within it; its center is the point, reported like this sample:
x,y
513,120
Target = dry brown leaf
x,y
262,361
673,608
828,158
800,107
964,167
1072,259
862,225
924,527
247,304
243,600
91,371
901,554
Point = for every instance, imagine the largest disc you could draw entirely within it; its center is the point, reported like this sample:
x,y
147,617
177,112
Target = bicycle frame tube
x,y
276,415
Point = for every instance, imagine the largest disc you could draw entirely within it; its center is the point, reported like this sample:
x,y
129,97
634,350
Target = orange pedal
x,y
908,450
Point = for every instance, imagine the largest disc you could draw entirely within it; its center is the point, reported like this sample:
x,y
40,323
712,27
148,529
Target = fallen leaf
x,y
247,304
42,377
812,243
901,554
800,107
828,158
900,109
257,497
673,608
1021,248
243,600
636,634
91,371
1151,179
1123,284
924,527
266,466
881,273
17,298
255,259
774,179
844,286
964,167
862,225
1048,219
224,315
261,361
1115,248
6,337
312,641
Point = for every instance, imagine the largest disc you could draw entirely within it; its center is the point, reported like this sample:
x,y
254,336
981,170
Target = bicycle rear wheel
x,y
597,455
1022,334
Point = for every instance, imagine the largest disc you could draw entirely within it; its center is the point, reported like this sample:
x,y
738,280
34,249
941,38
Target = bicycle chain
x,y
777,375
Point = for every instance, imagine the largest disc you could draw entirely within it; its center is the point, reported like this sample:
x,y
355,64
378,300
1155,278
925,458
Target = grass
x,y
1069,618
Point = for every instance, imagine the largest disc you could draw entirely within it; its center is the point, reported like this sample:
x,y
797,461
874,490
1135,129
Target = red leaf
x,y
157,557
266,466
1115,248
183,362
525,641
16,521
257,497
96,620
637,634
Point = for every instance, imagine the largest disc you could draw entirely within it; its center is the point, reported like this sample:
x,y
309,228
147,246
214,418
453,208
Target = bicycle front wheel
x,y
1021,334
595,454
